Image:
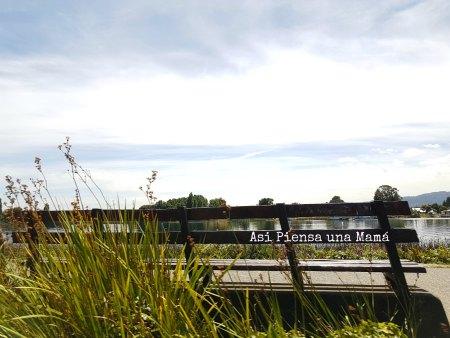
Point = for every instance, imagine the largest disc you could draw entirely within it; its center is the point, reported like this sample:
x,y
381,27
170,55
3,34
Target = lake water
x,y
429,230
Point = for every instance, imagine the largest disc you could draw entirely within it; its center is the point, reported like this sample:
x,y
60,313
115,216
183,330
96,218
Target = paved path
x,y
436,280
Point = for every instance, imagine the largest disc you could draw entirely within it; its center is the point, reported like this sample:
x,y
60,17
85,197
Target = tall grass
x,y
98,282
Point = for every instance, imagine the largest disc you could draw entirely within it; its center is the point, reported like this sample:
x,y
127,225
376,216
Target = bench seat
x,y
325,265
316,287
312,265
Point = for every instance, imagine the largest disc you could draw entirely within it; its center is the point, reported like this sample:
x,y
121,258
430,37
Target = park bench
x,y
393,269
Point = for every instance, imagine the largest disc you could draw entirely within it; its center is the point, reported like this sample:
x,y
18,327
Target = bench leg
x,y
389,279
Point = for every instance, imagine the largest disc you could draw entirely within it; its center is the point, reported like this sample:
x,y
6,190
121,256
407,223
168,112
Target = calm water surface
x,y
429,230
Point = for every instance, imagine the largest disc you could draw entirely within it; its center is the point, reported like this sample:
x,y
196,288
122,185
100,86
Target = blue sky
x,y
299,101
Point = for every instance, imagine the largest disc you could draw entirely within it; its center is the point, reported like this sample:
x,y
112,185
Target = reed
x,y
105,283
118,284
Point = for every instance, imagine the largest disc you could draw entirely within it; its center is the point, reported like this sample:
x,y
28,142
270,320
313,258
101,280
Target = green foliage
x,y
434,207
160,205
369,329
196,201
430,254
446,203
108,285
117,284
438,208
415,213
147,206
192,201
251,251
386,193
265,201
120,284
274,333
336,199
176,202
217,202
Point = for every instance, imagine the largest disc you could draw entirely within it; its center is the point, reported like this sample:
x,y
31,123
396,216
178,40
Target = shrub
x,y
369,329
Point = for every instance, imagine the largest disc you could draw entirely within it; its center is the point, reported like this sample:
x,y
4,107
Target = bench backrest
x,y
287,236
282,212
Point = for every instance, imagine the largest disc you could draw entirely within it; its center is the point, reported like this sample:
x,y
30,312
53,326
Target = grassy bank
x,y
430,254
426,254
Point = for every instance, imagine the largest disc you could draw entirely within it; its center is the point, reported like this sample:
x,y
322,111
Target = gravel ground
x,y
436,280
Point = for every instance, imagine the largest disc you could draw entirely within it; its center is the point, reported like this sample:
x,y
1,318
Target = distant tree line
x,y
446,203
336,199
196,201
385,193
388,193
191,201
430,208
265,201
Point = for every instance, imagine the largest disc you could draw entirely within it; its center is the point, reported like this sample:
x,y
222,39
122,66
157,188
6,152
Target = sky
x,y
298,101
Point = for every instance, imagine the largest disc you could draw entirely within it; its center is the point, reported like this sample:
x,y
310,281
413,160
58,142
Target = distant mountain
x,y
428,198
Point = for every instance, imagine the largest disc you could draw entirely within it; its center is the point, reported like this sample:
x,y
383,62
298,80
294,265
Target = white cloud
x,y
273,74
348,160
384,151
412,152
293,97
432,145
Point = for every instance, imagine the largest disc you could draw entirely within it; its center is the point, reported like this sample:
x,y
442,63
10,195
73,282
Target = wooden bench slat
x,y
245,237
341,288
305,265
275,236
243,212
309,265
